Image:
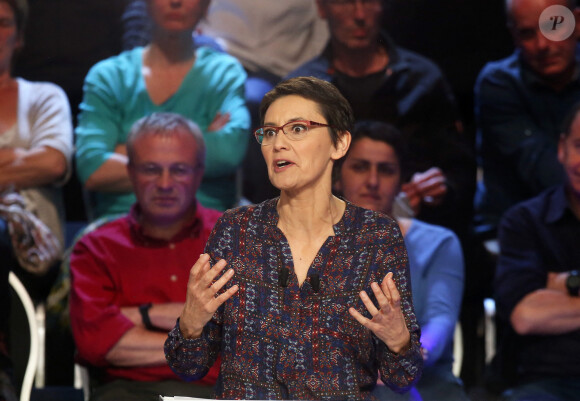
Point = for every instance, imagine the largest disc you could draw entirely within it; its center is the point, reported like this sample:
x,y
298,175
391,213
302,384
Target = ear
x,y
342,145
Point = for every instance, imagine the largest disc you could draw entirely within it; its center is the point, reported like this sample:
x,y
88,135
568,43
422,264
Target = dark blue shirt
x,y
519,121
538,236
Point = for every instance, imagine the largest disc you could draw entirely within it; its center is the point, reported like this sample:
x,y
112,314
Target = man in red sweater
x,y
129,276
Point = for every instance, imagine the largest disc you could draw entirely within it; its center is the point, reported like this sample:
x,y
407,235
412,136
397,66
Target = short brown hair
x,y
333,106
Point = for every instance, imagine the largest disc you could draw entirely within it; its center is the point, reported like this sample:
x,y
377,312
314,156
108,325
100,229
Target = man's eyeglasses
x,y
294,130
176,171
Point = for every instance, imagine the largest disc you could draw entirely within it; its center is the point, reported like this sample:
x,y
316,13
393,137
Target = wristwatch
x,y
144,310
573,283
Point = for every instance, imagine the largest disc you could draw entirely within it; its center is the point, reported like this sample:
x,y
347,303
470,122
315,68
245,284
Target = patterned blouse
x,y
279,340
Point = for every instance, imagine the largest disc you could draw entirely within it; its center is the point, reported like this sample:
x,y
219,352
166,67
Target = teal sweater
x,y
115,97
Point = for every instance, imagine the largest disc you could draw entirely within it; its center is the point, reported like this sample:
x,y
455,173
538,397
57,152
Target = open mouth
x,y
282,163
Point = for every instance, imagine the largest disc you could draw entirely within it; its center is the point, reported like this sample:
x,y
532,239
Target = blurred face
x,y
353,24
294,166
9,41
370,176
569,156
165,176
177,15
553,60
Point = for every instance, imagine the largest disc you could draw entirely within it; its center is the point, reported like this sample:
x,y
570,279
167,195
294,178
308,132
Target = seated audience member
x,y
385,82
35,155
270,39
520,102
370,176
61,47
172,75
129,276
537,282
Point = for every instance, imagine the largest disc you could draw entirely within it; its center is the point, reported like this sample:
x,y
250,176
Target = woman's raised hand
x,y
388,322
202,300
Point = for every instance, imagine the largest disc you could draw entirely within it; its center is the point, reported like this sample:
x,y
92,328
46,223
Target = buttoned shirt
x,y
118,265
519,122
279,340
538,236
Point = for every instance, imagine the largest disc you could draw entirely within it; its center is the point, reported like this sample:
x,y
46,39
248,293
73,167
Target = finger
x,y
196,270
382,298
359,318
392,290
432,184
368,303
427,175
210,275
225,296
385,287
218,285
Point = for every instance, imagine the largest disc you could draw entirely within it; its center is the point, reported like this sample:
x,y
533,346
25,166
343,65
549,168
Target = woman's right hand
x,y
201,301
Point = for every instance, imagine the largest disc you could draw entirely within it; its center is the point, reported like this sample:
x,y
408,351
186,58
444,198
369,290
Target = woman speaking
x,y
315,301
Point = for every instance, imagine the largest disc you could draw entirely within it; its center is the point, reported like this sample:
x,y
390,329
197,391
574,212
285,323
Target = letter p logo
x,y
557,23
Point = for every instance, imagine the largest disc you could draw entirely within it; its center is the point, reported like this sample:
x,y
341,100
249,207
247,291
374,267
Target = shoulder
x,y
105,229
436,231
317,67
218,62
425,235
42,91
417,62
499,70
115,66
366,223
530,209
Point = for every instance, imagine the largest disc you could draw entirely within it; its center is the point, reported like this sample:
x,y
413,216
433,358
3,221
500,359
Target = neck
x,y
309,215
359,62
163,229
167,49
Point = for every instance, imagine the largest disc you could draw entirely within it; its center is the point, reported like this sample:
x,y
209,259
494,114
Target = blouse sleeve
x,y
400,371
191,359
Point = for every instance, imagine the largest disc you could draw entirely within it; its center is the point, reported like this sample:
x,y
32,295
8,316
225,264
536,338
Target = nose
x,y
542,42
280,140
359,10
165,181
372,178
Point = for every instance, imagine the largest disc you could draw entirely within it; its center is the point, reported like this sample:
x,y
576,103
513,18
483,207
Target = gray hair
x,y
165,124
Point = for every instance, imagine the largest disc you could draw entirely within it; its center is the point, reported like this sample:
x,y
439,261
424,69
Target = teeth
x,y
282,163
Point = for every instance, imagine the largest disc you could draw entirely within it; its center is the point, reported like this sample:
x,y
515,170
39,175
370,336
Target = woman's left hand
x,y
388,322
